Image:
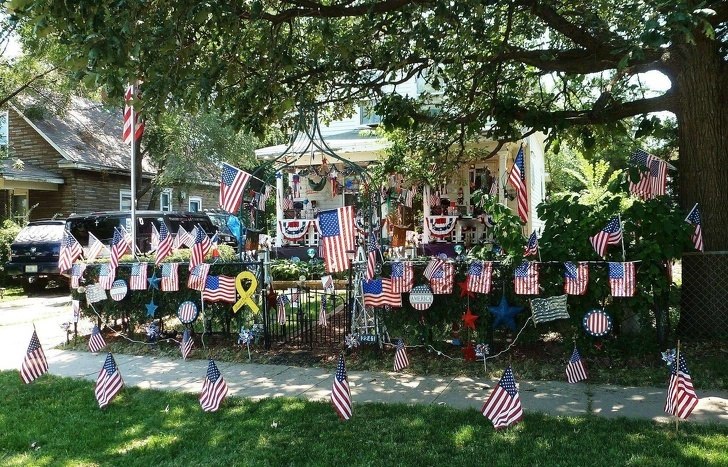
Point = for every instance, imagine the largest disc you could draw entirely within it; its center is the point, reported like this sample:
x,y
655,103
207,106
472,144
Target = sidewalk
x,y
259,381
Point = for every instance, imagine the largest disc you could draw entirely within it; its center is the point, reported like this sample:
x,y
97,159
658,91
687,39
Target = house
x,y
76,162
315,180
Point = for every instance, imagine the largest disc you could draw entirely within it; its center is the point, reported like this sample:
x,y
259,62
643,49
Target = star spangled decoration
x,y
481,350
151,308
246,336
153,281
152,332
669,356
351,341
464,291
469,319
505,314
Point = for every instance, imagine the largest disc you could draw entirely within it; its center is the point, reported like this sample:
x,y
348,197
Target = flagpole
x,y
133,174
677,375
624,255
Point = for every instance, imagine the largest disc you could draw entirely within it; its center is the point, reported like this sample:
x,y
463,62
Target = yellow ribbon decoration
x,y
246,295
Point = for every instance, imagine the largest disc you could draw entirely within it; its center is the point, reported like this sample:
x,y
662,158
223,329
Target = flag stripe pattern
x,y
128,110
35,363
611,234
622,279
119,246
597,323
576,277
70,251
549,309
337,237
433,266
517,179
186,345
138,278
681,397
694,218
480,275
400,357
214,389
232,184
200,247
575,369
532,245
198,277
106,276
340,394
442,280
402,276
76,273
165,244
372,250
652,181
96,342
322,318
219,289
170,277
95,248
503,407
378,292
526,278
109,382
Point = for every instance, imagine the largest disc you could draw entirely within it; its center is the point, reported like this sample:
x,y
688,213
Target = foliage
x,y
594,179
8,232
284,269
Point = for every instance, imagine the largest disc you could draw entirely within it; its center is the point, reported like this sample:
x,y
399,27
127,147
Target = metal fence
x,y
704,296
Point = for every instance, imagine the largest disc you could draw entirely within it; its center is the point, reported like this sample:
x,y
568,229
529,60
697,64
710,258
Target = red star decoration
x,y
469,319
469,353
464,289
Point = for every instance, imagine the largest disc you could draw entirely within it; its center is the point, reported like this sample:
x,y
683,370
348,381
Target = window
x,y
124,200
367,116
195,204
165,200
20,207
3,132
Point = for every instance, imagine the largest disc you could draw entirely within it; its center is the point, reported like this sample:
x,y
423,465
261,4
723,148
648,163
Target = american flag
x,y
694,218
622,279
435,199
95,248
219,289
532,245
575,370
170,278
681,397
287,203
402,276
433,266
337,237
183,238
106,276
96,342
611,234
76,308
400,356
231,187
198,249
340,394
164,248
214,389
503,407
119,246
35,363
517,178
372,250
154,239
322,318
493,188
186,344
442,280
526,278
576,277
198,277
480,276
327,282
126,134
408,197
378,292
70,251
281,302
653,181
138,278
109,382
76,272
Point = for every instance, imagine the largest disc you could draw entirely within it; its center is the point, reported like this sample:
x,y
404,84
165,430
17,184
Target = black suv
x,y
34,255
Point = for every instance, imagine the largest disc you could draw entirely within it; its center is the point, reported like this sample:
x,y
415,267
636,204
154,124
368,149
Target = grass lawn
x,y
56,421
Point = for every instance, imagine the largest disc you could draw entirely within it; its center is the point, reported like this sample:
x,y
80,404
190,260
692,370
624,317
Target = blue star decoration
x,y
505,314
154,281
151,308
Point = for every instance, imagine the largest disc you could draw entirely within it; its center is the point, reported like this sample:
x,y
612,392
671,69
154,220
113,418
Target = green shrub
x,y
8,232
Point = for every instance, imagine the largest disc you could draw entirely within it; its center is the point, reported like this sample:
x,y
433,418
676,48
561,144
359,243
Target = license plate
x,y
31,268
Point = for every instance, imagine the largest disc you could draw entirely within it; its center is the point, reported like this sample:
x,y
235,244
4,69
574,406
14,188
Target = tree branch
x,y
317,10
4,100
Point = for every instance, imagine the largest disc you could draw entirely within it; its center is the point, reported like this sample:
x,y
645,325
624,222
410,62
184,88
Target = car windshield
x,y
40,233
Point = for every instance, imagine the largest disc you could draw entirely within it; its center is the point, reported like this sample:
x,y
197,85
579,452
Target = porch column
x,y
279,209
425,213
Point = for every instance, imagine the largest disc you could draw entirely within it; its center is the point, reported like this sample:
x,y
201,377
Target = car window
x,y
40,233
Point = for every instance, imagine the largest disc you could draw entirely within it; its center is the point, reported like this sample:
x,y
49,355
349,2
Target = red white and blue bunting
x,y
294,229
441,226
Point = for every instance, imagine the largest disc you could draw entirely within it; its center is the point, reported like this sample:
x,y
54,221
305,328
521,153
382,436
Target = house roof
x,y
86,134
28,172
346,145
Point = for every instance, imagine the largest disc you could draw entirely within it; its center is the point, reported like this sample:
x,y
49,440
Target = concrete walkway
x,y
260,381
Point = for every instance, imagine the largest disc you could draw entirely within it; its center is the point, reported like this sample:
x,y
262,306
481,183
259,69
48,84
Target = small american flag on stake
x,y
35,363
694,218
681,397
232,185
503,407
165,243
96,342
95,248
199,249
372,250
400,357
575,370
109,382
138,277
70,251
214,389
517,179
340,394
119,246
322,318
653,181
611,234
576,277
186,344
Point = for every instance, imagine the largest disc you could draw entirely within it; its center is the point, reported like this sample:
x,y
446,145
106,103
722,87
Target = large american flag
x,y
138,277
109,382
526,278
119,246
517,179
219,289
400,357
164,248
76,273
611,234
106,276
70,250
35,363
186,344
442,280
480,276
622,279
198,276
503,407
231,187
372,251
433,266
214,389
340,394
402,276
96,342
127,135
198,249
681,397
694,218
575,370
532,245
576,277
95,248
170,277
337,237
653,181
378,292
